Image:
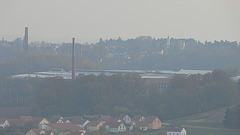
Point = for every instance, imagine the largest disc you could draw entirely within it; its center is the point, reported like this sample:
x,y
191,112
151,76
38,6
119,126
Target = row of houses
x,y
57,125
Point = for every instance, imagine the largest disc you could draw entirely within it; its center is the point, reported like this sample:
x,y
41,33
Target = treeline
x,y
35,62
143,52
120,93
232,116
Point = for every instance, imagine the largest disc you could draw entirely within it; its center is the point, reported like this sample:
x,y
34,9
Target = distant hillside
x,y
212,118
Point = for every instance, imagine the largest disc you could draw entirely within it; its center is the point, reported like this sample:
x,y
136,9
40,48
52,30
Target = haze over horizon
x,y
88,21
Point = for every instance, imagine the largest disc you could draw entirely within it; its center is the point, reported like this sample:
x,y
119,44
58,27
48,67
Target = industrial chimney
x,y
26,40
73,59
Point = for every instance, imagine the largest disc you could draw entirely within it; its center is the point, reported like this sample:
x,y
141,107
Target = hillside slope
x,y
211,118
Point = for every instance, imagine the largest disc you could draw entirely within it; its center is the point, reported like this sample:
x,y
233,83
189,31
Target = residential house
x,y
26,119
94,125
140,125
138,118
65,120
15,122
176,131
104,118
37,132
56,119
116,127
63,127
4,123
153,122
38,121
80,122
125,118
113,120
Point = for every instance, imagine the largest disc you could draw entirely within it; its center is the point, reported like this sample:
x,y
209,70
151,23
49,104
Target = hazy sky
x,y
89,20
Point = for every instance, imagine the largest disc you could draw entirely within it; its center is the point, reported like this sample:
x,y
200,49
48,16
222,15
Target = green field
x,y
207,123
211,131
211,118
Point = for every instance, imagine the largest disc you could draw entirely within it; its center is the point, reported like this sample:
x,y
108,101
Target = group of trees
x,y
120,93
32,62
139,53
232,116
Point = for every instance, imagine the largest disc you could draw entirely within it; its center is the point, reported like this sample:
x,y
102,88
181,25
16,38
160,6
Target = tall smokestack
x,y
73,58
26,40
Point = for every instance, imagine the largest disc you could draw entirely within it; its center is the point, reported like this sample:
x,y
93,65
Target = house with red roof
x,y
56,119
26,118
37,132
140,125
138,118
4,123
94,125
80,122
62,127
104,118
153,122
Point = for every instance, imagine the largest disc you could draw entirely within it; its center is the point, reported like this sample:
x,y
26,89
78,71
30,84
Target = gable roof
x,y
94,123
150,119
122,116
26,118
55,118
65,120
175,129
137,117
78,120
65,126
36,120
2,120
140,124
115,124
105,117
112,120
15,122
37,130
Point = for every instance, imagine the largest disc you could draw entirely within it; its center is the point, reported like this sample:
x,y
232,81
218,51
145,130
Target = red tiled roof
x,y
140,124
37,130
26,118
2,120
15,122
150,119
78,120
94,123
65,120
112,120
55,118
105,117
65,126
115,124
136,117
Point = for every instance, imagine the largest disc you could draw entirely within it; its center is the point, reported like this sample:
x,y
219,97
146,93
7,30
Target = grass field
x,y
211,118
207,123
211,131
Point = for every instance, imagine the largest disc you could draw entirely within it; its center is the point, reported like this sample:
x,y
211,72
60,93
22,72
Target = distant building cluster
x,y
159,78
58,125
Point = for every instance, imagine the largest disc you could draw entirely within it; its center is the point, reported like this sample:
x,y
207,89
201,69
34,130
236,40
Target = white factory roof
x,y
142,73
